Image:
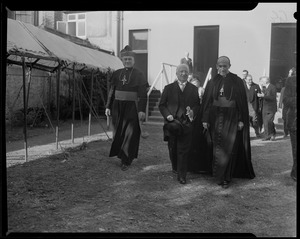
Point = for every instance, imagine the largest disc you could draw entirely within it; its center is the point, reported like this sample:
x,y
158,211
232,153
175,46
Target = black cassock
x,y
224,105
127,97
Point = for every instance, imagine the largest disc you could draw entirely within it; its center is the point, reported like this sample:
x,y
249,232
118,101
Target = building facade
x,y
262,40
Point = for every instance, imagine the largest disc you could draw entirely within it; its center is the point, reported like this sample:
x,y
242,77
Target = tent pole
x,y
25,110
29,81
49,95
80,98
57,103
91,104
73,105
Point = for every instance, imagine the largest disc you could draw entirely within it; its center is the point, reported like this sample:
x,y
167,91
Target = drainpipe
x,y
119,32
121,29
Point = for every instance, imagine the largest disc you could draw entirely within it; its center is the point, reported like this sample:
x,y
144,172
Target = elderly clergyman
x,y
226,116
126,104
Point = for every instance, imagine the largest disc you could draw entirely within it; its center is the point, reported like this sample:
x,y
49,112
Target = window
x,y
74,26
25,16
30,17
138,40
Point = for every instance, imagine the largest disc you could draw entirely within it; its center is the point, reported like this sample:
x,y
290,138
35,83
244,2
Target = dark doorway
x,y
283,52
206,50
141,62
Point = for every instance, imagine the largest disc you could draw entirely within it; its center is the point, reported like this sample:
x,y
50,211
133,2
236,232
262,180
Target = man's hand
x,y
201,91
170,118
205,125
260,94
142,116
107,112
240,125
190,113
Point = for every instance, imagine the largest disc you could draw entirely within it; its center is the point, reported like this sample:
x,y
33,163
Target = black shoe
x,y
181,180
266,139
273,138
124,167
225,184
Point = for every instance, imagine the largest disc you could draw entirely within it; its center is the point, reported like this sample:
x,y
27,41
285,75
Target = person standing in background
x,y
290,102
188,61
283,113
292,72
253,104
269,108
244,75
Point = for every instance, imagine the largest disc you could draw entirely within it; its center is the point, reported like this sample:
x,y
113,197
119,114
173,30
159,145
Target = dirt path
x,y
85,191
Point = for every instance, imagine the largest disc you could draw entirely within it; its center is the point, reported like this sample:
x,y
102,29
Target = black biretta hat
x,y
127,51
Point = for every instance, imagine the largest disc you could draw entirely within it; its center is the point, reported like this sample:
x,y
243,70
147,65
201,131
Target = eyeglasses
x,y
224,66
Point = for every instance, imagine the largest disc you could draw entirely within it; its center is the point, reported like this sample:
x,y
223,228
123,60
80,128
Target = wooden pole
x,y
91,104
207,78
57,103
29,81
79,99
25,110
49,95
73,105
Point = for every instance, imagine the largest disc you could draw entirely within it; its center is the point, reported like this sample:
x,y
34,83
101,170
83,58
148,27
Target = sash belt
x,y
125,95
223,102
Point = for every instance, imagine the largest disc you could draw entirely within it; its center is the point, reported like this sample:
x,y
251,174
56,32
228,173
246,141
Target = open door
x,y
283,52
206,50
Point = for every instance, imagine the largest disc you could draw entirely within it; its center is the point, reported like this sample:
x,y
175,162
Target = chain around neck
x,y
124,80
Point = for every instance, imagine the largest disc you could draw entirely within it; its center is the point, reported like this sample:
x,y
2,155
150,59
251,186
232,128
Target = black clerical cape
x,y
231,148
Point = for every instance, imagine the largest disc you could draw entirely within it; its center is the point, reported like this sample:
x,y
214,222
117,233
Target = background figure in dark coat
x,y
269,108
226,116
188,61
290,102
244,76
127,104
283,113
178,105
255,115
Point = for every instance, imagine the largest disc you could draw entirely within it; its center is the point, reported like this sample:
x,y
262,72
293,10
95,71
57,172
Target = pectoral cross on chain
x,y
124,80
222,91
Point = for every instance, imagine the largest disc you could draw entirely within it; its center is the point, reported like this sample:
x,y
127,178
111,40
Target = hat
x,y
127,51
174,127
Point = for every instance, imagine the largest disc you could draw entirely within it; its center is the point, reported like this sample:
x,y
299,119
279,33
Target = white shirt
x,y
182,85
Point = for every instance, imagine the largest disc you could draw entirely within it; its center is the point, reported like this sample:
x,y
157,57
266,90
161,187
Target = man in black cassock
x,y
178,105
226,116
126,104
